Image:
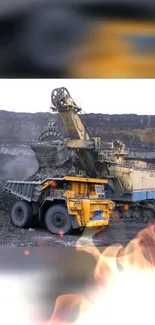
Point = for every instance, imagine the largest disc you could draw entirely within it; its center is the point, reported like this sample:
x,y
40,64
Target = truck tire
x,y
22,214
57,220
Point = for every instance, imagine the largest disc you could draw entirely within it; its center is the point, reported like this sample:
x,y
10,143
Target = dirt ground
x,y
119,232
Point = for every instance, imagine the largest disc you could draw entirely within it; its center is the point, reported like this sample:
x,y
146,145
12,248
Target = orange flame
x,y
125,281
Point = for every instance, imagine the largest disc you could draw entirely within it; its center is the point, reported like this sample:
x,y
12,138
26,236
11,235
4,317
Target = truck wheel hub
x,y
19,214
59,220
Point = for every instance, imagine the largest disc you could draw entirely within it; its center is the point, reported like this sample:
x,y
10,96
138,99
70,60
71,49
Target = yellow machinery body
x,y
84,198
117,49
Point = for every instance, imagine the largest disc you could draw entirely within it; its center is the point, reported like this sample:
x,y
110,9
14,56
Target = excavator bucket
x,y
52,154
46,154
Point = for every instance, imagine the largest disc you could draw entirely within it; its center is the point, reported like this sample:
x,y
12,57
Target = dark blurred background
x,y
81,38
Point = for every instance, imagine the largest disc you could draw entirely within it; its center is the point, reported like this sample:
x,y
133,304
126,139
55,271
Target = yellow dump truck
x,y
63,203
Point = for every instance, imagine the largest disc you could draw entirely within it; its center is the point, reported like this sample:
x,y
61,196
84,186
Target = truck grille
x,y
98,216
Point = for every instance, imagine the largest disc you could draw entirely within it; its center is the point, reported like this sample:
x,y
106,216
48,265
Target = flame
x,y
125,283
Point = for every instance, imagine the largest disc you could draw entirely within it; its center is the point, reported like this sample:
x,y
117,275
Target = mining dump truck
x,y
64,203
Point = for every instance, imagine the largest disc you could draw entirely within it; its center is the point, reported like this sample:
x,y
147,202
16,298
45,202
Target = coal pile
x,y
16,162
6,203
43,173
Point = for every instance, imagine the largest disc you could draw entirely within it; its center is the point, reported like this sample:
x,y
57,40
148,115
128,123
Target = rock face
x,y
134,130
21,128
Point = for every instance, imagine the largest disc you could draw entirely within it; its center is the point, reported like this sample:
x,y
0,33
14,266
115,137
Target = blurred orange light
x,y
53,183
126,207
61,233
27,252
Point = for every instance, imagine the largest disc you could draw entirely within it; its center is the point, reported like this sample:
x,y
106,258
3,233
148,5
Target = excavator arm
x,y
94,155
86,148
68,110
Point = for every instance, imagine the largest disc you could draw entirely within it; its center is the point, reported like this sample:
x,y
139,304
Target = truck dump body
x,y
29,191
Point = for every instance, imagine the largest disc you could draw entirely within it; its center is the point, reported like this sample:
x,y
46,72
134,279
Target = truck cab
x,y
97,191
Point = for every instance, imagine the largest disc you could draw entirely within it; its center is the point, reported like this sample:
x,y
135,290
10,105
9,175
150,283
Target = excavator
x,y
88,149
93,154
131,187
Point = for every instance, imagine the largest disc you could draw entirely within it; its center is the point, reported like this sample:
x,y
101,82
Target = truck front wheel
x,y
22,214
57,220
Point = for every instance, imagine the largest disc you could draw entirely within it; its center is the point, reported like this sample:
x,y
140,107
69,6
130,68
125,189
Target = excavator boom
x,y
86,148
66,107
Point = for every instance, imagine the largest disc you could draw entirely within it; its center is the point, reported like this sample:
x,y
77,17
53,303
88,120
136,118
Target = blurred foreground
x,y
123,277
83,40
71,285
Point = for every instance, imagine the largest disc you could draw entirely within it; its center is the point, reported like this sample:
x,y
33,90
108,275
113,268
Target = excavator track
x,y
137,213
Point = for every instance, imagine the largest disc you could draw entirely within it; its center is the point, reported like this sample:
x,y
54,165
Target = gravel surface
x,y
117,233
